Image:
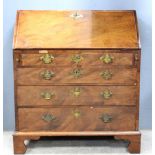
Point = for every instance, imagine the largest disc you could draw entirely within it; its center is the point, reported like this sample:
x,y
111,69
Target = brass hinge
x,y
136,58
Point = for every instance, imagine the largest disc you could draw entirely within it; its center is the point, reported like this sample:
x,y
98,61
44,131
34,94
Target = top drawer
x,y
74,57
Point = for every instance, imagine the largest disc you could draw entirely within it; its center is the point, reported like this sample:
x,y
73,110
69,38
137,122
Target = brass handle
x,y
106,59
136,57
106,75
17,59
47,75
76,73
76,91
77,58
48,117
47,95
106,118
47,58
76,113
106,94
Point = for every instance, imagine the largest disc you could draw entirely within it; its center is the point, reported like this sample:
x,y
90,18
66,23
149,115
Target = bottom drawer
x,y
77,119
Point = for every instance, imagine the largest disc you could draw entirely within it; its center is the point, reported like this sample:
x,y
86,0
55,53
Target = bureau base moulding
x,y
133,137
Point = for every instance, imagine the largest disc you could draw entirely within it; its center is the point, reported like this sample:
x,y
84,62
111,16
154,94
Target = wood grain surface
x,y
123,118
58,29
120,75
65,95
64,58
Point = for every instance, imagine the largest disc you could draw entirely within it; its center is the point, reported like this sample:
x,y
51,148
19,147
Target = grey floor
x,y
77,146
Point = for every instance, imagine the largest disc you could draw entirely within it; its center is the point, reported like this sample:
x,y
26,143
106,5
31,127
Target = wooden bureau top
x,y
68,29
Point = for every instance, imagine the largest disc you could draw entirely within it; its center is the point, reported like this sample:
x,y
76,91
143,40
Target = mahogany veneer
x,y
76,74
64,95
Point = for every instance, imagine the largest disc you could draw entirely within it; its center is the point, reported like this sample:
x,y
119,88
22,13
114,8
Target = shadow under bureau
x,y
76,73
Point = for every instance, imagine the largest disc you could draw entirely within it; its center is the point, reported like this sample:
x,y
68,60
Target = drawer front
x,y
81,57
75,95
93,75
77,119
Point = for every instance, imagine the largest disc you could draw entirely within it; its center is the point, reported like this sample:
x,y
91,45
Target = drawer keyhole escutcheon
x,y
76,73
76,15
48,117
106,118
107,75
76,113
47,58
76,92
47,95
47,75
106,94
76,58
107,59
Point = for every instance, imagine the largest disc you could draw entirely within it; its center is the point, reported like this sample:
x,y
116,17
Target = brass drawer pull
x,y
47,75
106,59
106,94
48,117
106,118
106,75
47,58
76,91
17,60
76,58
47,95
76,73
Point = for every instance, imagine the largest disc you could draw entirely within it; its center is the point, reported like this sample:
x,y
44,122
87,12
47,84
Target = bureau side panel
x,y
15,61
138,62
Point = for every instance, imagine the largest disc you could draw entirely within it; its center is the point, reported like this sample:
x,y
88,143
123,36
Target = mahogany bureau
x,y
76,74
